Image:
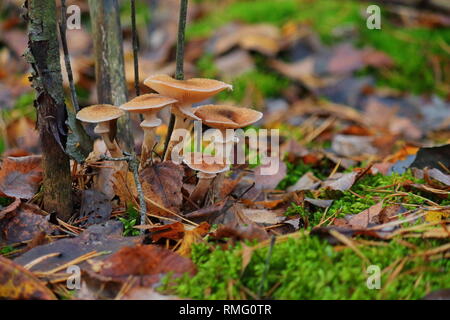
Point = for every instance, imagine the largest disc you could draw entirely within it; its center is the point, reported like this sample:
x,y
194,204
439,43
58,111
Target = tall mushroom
x,y
186,92
206,169
223,117
105,116
148,105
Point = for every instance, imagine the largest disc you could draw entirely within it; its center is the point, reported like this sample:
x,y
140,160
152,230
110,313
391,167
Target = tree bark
x,y
43,55
109,62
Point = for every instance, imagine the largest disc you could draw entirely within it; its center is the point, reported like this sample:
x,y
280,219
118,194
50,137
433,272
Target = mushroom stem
x,y
201,189
151,121
112,146
147,145
180,123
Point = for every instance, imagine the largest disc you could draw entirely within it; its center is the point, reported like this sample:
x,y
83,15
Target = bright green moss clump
x,y
309,268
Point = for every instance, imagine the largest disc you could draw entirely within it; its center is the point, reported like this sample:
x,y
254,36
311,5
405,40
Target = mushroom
x,y
207,171
223,117
186,92
105,116
148,105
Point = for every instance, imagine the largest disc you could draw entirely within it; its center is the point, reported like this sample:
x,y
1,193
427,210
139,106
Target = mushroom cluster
x,y
179,95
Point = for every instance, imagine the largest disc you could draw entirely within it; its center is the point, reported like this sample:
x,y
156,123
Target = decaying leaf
x,y
162,183
264,216
95,206
20,177
149,262
366,217
340,181
18,283
24,223
102,237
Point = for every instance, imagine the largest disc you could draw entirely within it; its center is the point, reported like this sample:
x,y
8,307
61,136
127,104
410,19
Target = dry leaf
x,y
162,183
17,283
20,177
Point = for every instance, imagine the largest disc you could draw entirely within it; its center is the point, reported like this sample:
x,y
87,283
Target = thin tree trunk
x,y
109,62
179,72
43,55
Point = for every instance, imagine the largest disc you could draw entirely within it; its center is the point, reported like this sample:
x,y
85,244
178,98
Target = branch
x,y
133,165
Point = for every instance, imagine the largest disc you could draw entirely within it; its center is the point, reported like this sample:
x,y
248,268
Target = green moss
x,y
309,268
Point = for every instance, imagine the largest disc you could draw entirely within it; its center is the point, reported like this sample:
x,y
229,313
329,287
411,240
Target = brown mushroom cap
x,y
99,113
227,117
186,91
147,102
207,164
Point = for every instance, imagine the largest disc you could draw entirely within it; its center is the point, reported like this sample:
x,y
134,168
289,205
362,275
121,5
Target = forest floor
x,y
364,182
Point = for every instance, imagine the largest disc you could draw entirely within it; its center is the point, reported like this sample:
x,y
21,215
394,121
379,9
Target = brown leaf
x,y
241,232
263,216
172,231
18,283
340,181
307,182
25,223
10,208
146,261
102,237
162,183
20,177
364,218
269,182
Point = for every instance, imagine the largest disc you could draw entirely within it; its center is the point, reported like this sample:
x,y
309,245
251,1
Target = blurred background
x,y
301,62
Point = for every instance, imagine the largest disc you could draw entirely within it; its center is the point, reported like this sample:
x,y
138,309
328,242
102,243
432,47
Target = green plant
x,y
132,216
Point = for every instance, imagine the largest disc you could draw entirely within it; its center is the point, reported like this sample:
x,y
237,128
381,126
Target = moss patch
x,y
309,268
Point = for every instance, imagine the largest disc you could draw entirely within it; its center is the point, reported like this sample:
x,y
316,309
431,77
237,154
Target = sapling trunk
x,y
109,62
43,55
179,72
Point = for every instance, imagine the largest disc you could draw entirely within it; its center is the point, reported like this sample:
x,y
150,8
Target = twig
x,y
133,165
62,31
179,72
267,267
135,47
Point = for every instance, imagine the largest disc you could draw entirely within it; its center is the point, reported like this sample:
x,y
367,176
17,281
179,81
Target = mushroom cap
x,y
99,113
186,91
147,102
207,164
227,117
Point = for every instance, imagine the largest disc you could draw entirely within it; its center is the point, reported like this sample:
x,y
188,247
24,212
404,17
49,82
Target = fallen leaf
x,y
340,181
162,183
24,223
307,182
366,217
351,146
264,216
149,262
95,206
434,157
101,237
17,283
173,231
20,177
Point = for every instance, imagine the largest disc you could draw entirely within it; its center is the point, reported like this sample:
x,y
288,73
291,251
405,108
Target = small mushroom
x,y
207,171
105,116
186,92
223,117
148,105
